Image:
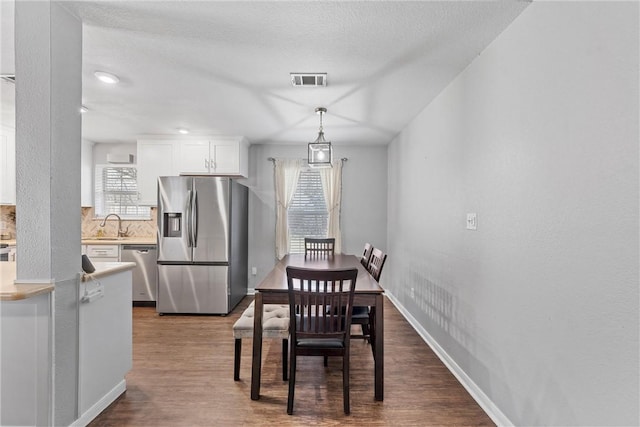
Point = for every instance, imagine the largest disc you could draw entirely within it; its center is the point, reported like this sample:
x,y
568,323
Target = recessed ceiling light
x,y
183,131
107,77
83,109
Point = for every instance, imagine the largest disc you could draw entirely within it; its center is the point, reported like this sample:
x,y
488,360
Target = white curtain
x,y
332,189
287,172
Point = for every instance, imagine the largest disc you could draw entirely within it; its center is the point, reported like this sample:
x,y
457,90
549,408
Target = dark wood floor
x,y
183,376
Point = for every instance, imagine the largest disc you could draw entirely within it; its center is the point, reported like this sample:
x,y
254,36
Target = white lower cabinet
x,y
105,343
103,253
25,361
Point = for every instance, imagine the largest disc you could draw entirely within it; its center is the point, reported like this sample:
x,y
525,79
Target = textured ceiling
x,y
223,67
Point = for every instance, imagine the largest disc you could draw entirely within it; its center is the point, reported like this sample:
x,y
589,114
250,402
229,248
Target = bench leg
x,y
285,358
236,360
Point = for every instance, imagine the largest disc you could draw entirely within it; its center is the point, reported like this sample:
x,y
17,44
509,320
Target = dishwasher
x,y
145,275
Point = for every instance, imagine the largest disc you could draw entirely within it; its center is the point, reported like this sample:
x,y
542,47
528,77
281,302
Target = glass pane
x,y
307,214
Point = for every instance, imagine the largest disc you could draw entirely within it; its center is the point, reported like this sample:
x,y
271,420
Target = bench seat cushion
x,y
275,322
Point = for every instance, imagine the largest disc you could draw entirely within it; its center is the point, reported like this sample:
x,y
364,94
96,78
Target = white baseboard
x,y
100,405
487,405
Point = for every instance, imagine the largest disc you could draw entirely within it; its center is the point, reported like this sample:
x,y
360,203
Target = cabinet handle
x,y
213,164
206,163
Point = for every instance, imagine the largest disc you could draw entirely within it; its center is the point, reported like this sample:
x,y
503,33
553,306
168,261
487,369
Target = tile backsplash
x,y
90,225
7,222
137,228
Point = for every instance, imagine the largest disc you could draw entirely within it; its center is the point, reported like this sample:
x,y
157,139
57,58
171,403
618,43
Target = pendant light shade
x,y
320,151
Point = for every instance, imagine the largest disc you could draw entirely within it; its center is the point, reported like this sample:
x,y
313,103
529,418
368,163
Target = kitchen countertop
x,y
10,291
121,241
135,240
107,268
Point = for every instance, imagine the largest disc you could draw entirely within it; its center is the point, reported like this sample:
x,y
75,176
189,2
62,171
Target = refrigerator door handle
x,y
188,215
194,219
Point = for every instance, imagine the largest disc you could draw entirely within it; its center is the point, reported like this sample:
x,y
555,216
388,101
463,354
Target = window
x,y
116,192
307,213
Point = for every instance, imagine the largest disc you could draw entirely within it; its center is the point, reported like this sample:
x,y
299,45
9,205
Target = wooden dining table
x,y
274,290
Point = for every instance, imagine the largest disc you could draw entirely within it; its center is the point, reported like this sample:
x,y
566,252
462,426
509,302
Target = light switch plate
x,y
472,221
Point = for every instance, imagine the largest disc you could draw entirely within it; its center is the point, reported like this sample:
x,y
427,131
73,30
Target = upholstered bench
x,y
275,324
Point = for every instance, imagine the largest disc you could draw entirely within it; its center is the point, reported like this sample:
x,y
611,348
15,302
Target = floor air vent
x,y
309,79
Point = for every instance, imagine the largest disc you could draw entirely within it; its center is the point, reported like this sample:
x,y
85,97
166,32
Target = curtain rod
x,y
272,159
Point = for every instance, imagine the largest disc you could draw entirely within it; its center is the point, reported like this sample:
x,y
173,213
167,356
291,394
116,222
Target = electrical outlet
x,y
472,221
413,293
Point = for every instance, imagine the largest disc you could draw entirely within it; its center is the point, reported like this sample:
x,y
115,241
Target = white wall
x,y
539,136
364,198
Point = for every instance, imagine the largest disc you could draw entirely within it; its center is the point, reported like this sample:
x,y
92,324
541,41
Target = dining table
x,y
273,289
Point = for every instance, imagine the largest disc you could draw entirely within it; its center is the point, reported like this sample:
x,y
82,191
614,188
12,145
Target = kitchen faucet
x,y
121,232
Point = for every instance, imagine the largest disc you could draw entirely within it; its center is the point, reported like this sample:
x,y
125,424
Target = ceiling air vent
x,y
10,78
309,79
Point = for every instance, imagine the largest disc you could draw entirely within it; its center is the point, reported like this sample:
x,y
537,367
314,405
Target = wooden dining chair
x,y
360,314
366,255
315,329
319,247
376,263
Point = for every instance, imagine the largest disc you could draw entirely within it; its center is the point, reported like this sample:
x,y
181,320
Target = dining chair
x,y
319,247
366,255
360,314
376,263
315,329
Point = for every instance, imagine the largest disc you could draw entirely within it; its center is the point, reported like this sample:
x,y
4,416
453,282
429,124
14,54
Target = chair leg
x,y
236,359
372,331
345,383
292,381
285,352
365,330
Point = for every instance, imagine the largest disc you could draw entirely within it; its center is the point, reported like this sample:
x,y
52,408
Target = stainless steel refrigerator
x,y
202,244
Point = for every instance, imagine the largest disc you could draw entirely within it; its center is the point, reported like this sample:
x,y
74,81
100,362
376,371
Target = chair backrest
x,y
319,247
366,254
376,262
320,302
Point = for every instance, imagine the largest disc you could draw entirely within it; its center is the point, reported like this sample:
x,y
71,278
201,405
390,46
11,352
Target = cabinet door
x,y
194,157
225,157
155,158
7,166
86,174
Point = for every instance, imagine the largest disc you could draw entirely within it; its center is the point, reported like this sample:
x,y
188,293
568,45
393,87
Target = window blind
x,y
116,191
307,213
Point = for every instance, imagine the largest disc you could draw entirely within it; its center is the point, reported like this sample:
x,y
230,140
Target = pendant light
x,y
320,152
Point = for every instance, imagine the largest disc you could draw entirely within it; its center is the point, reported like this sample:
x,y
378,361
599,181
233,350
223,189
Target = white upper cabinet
x,y
227,156
86,174
194,157
214,156
154,158
7,166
